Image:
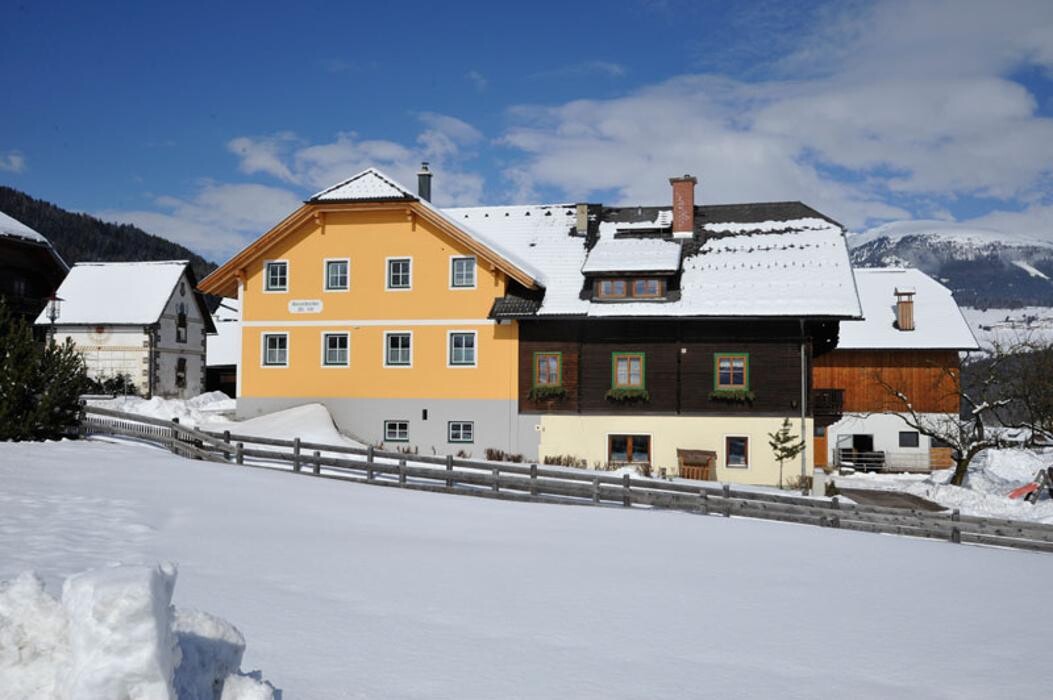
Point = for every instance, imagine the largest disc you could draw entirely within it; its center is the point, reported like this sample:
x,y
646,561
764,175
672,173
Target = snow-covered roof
x,y
116,292
633,255
938,323
13,228
223,347
755,260
368,185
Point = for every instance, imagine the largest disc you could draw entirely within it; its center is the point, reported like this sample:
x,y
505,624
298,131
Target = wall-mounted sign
x,y
305,306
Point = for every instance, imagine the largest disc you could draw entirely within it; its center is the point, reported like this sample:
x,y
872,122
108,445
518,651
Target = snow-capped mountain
x,y
983,267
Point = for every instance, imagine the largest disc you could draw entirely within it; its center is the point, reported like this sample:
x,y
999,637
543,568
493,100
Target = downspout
x,y
152,363
804,412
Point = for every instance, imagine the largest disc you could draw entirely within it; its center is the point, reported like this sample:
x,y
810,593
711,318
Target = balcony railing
x,y
881,461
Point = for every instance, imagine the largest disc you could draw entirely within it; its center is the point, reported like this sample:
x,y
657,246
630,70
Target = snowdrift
x,y
115,634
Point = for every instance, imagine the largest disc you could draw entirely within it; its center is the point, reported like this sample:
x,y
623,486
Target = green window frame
x,y
731,357
559,368
629,357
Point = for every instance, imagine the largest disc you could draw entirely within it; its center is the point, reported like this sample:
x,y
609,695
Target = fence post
x,y
449,471
497,475
596,489
402,472
226,440
296,454
703,502
239,454
81,416
175,436
835,503
727,500
317,463
956,532
533,479
626,495
369,463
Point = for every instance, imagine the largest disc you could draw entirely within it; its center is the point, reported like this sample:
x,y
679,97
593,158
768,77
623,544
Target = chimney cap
x,y
684,178
424,168
905,291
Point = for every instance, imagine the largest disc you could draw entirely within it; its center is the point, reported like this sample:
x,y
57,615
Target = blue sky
x,y
207,123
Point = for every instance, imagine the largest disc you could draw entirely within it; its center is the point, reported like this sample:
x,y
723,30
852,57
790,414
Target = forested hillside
x,y
79,237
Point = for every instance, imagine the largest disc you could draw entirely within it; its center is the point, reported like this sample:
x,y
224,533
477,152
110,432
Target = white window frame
x,y
325,275
449,349
475,272
325,349
266,276
391,421
384,349
263,349
387,273
461,440
749,450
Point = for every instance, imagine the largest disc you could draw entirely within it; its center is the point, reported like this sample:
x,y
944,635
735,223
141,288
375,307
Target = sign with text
x,y
305,306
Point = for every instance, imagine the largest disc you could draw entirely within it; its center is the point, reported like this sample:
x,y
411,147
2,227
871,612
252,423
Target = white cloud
x,y
445,142
887,106
216,221
477,79
12,162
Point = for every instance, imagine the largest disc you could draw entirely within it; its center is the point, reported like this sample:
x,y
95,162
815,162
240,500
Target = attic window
x,y
629,288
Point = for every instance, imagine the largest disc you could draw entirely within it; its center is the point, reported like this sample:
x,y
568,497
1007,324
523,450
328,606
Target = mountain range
x,y
984,268
84,238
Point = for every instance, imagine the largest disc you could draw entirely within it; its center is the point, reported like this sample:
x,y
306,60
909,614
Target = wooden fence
x,y
533,482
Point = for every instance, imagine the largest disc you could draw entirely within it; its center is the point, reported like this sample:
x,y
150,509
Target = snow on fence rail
x,y
532,482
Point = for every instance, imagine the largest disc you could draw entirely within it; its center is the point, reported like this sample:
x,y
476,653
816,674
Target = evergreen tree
x,y
40,384
785,445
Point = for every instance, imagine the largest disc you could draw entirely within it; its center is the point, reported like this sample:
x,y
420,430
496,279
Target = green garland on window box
x,y
547,393
628,394
732,395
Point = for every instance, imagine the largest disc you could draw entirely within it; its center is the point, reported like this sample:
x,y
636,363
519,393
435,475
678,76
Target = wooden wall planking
x,y
929,378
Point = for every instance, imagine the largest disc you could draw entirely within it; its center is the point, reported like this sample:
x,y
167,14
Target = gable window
x,y
732,371
548,369
909,438
460,431
180,372
462,273
398,349
611,289
629,449
627,370
275,349
180,330
336,275
630,288
736,452
335,349
462,349
400,273
276,276
396,431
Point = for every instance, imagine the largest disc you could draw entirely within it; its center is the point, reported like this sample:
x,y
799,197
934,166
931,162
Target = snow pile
x,y
200,410
992,475
115,634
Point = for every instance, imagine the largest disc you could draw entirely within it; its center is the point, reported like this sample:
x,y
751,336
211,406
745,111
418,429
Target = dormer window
x,y
630,288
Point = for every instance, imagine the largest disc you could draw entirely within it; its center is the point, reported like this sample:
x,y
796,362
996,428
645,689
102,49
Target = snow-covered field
x,y
1008,327
992,475
348,590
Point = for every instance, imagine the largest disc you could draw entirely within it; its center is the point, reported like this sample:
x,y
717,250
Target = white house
x,y
141,319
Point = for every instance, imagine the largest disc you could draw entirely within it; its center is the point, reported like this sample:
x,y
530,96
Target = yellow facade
x,y
429,310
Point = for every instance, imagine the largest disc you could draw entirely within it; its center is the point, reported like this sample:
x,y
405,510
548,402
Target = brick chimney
x,y
683,205
905,308
424,182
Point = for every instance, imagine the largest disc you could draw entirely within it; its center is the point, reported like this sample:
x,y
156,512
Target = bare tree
x,y
1025,375
967,431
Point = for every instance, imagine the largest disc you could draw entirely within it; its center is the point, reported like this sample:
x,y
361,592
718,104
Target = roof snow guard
x,y
370,185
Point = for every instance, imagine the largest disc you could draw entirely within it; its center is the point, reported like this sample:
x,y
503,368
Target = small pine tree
x,y
785,445
40,383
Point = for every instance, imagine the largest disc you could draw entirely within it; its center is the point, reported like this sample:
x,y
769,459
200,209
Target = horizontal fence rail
x,y
533,482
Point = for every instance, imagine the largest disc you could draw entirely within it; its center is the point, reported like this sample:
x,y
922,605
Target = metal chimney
x,y
424,182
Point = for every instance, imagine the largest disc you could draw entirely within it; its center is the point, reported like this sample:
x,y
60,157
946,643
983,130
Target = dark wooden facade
x,y
29,274
679,365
